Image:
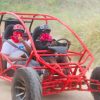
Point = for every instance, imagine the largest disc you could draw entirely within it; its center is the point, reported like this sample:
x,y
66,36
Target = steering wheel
x,y
64,42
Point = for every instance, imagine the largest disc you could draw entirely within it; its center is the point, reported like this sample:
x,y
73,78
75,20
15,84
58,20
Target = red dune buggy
x,y
29,83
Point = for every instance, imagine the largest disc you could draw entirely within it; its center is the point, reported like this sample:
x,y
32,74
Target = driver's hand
x,y
53,43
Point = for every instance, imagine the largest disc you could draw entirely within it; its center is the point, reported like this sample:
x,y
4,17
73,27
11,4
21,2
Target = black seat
x,y
8,31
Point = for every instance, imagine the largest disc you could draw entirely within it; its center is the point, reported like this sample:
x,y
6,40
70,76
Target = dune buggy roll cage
x,y
56,81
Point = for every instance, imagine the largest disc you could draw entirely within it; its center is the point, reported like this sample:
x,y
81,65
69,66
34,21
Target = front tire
x,y
95,76
26,85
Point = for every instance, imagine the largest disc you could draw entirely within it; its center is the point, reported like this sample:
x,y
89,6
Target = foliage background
x,y
82,15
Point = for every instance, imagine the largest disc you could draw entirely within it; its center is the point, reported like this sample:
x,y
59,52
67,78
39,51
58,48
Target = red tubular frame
x,y
57,81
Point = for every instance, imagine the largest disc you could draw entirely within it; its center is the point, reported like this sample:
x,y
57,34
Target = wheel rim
x,y
20,89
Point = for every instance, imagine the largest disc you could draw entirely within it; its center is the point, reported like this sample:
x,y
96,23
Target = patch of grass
x,y
82,15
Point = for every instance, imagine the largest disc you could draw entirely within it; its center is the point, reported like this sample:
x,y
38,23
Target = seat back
x,y
8,32
9,23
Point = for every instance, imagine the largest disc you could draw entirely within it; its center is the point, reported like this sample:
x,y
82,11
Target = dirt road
x,y
72,95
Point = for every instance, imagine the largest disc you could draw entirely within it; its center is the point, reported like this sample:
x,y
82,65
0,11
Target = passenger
x,y
15,44
17,49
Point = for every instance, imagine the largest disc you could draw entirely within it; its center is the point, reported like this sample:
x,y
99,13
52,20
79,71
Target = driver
x,y
43,39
